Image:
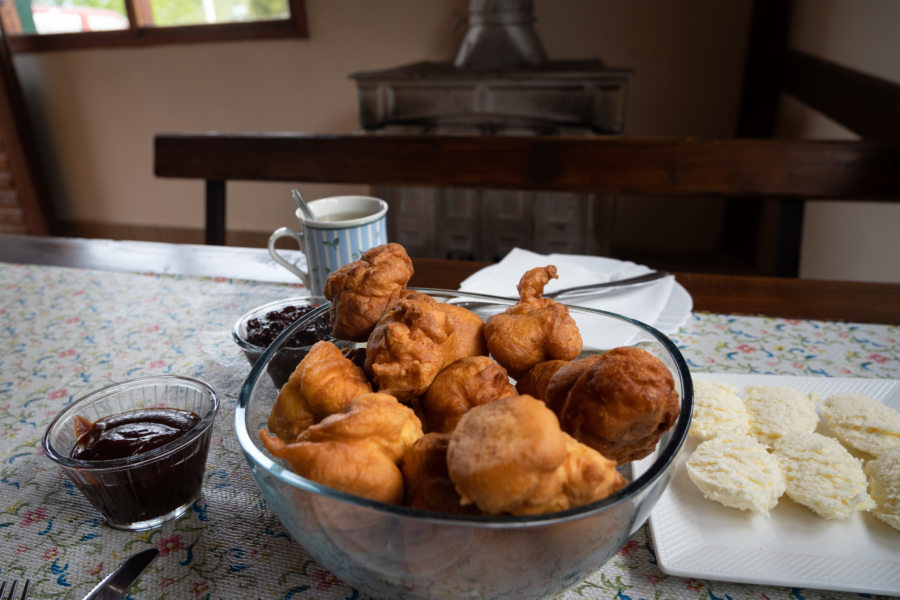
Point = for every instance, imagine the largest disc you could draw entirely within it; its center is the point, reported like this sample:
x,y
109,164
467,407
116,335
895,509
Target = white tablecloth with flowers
x,y
66,331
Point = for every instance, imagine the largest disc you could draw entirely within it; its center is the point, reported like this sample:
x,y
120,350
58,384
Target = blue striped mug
x,y
344,227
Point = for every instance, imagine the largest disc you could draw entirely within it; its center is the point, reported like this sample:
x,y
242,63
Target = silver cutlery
x,y
593,289
302,205
115,584
12,589
597,289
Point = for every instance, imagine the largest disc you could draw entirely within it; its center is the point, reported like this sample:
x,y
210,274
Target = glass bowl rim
x,y
172,447
635,487
246,345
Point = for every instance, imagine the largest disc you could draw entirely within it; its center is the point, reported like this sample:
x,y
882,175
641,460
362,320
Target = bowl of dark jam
x,y
257,329
137,449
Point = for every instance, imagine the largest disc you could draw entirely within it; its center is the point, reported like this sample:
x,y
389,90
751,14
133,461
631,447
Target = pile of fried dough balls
x,y
431,419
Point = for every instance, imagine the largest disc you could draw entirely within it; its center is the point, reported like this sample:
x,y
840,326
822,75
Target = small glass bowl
x,y
148,489
283,365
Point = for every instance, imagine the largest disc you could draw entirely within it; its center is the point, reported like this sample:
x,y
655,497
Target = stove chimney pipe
x,y
500,35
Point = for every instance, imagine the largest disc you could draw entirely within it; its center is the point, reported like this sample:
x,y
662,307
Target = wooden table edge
x,y
790,298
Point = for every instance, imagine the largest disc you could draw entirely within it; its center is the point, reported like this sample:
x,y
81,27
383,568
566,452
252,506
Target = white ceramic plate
x,y
696,537
675,311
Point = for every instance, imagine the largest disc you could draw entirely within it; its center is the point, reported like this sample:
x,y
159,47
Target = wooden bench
x,y
741,170
789,170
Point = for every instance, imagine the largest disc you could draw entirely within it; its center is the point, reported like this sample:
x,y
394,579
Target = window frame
x,y
142,32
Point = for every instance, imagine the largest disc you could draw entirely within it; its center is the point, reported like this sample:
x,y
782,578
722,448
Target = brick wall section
x,y
12,217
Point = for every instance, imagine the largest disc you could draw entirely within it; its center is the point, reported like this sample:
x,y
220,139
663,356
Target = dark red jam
x,y
142,494
263,331
130,433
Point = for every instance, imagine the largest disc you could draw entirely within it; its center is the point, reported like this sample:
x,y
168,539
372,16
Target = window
x,y
34,25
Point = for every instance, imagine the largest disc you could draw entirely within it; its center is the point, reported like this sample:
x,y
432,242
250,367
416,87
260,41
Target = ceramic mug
x,y
344,227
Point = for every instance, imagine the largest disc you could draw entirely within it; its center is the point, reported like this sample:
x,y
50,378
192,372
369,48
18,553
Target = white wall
x,y
844,240
97,111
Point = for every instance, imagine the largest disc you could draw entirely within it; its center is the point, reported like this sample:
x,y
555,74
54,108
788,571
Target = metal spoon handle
x,y
608,286
302,205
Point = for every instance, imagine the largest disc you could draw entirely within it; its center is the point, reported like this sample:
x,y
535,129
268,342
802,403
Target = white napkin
x,y
643,303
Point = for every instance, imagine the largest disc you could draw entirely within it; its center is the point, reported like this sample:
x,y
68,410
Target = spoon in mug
x,y
302,205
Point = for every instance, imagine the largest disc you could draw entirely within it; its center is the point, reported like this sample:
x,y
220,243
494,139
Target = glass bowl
x,y
282,367
150,488
392,551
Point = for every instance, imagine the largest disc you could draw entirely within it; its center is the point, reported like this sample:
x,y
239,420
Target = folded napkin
x,y
643,303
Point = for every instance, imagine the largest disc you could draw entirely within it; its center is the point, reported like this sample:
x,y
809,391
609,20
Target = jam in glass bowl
x,y
137,449
256,329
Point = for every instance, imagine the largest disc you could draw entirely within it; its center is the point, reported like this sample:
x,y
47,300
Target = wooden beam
x,y
866,105
770,25
742,228
607,165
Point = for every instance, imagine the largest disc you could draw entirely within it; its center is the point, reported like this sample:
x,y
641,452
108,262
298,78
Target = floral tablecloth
x,y
68,331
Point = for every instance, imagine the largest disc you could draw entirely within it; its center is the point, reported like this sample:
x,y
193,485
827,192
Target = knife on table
x,y
114,585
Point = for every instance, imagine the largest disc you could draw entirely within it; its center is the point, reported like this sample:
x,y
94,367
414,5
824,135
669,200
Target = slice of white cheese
x,y
779,411
822,475
884,486
718,410
862,422
737,472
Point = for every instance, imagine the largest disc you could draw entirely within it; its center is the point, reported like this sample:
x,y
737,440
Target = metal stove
x,y
500,83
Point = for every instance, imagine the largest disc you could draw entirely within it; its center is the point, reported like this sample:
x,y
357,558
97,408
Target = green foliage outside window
x,y
180,12
116,5
190,12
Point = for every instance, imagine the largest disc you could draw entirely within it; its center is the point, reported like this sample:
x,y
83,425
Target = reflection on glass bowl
x,y
392,551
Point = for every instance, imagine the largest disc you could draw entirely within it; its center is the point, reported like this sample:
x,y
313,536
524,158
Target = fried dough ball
x,y
322,383
427,482
510,456
363,290
469,331
535,380
356,450
467,382
621,404
410,346
533,330
563,379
